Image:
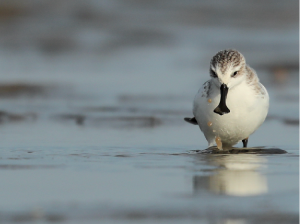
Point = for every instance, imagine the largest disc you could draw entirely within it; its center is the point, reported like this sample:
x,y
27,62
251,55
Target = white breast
x,y
248,110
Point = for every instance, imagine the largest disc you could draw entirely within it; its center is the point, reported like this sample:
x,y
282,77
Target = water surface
x,y
92,110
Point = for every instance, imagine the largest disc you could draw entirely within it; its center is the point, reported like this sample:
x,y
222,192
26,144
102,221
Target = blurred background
x,y
116,53
93,96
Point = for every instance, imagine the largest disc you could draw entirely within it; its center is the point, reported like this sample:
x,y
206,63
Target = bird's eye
x,y
213,74
234,74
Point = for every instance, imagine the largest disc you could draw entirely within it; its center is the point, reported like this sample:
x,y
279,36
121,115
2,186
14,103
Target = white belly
x,y
247,112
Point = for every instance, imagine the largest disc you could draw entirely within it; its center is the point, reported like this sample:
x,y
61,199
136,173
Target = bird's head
x,y
227,69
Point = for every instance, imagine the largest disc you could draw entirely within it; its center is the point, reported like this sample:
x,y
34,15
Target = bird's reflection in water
x,y
235,175
232,221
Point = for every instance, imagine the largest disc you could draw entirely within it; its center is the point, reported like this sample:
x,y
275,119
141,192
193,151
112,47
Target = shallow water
x,y
91,119
81,174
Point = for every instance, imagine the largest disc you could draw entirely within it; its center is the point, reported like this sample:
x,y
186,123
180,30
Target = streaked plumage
x,y
236,117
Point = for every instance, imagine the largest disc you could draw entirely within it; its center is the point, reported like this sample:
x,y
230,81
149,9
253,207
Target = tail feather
x,y
191,120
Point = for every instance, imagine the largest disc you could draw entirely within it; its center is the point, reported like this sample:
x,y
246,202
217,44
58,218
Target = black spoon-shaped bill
x,y
222,108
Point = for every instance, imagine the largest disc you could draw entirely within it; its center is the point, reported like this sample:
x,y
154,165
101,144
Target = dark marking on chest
x,y
206,89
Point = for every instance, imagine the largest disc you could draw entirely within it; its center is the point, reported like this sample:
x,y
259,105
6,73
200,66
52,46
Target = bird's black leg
x,y
245,142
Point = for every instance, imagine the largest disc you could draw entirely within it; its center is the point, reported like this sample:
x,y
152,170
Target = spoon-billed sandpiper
x,y
231,105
